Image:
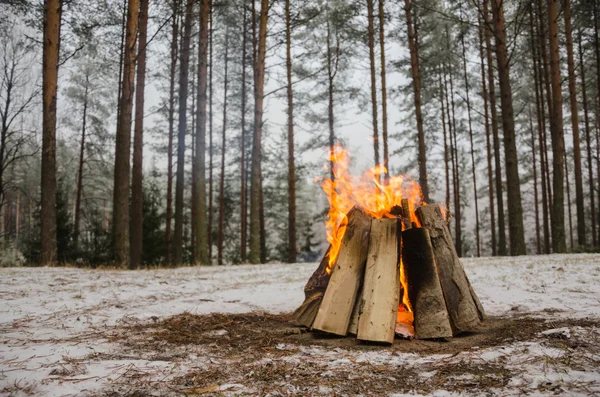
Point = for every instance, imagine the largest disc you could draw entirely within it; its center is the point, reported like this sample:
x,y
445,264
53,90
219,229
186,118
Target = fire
x,y
378,199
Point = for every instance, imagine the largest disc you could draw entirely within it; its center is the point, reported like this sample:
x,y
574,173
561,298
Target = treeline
x,y
188,131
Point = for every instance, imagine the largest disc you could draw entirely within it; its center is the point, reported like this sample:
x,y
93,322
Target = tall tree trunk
x,y
137,195
123,142
538,244
291,165
453,138
210,136
182,127
371,37
52,17
502,250
581,237
173,68
121,56
513,184
243,185
474,170
556,128
488,145
541,122
255,188
80,167
597,48
451,125
588,140
447,171
546,74
194,214
201,228
331,73
569,203
384,117
416,83
223,148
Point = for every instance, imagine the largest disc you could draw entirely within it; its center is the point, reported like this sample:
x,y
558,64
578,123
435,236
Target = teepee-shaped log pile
x,y
362,291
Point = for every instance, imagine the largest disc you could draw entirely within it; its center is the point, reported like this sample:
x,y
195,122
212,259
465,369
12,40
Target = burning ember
x,y
379,200
391,267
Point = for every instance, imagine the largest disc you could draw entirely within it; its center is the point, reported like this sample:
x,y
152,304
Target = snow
x,y
51,322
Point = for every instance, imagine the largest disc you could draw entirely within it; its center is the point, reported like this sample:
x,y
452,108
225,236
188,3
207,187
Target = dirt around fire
x,y
259,353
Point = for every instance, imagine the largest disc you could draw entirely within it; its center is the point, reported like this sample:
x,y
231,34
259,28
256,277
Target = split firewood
x,y
465,312
406,214
339,298
381,288
313,293
425,293
356,312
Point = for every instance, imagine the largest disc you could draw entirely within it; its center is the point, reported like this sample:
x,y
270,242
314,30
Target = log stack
x,y
361,293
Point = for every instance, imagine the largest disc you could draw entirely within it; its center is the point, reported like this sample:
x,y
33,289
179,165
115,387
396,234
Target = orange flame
x,y
376,198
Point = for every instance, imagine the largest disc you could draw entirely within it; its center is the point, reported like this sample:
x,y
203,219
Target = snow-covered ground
x,y
54,322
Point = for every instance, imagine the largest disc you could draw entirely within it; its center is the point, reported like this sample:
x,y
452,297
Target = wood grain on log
x,y
424,288
381,288
339,298
465,313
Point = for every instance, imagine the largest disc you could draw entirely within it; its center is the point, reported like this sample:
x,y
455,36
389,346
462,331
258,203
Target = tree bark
x,y
571,242
473,168
371,37
484,94
457,204
51,51
588,140
447,171
80,167
223,148
201,227
291,165
137,195
546,74
243,181
513,184
597,48
538,245
210,136
557,134
416,83
581,236
384,117
182,127
123,142
256,186
541,122
169,211
502,251
331,73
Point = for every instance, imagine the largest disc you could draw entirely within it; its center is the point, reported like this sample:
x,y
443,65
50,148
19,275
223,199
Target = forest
x,y
195,132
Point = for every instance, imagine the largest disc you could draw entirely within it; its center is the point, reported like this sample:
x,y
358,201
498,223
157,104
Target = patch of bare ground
x,y
260,354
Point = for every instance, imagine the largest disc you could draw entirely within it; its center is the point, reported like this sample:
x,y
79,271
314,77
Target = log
x,y
313,293
431,319
339,298
465,314
381,288
406,214
356,312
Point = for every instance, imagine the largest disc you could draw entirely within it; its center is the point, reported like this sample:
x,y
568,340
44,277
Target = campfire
x,y
391,267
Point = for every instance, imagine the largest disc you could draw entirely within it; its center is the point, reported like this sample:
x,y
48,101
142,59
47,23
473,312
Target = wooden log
x,y
339,298
431,319
381,288
406,214
313,293
465,313
356,312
